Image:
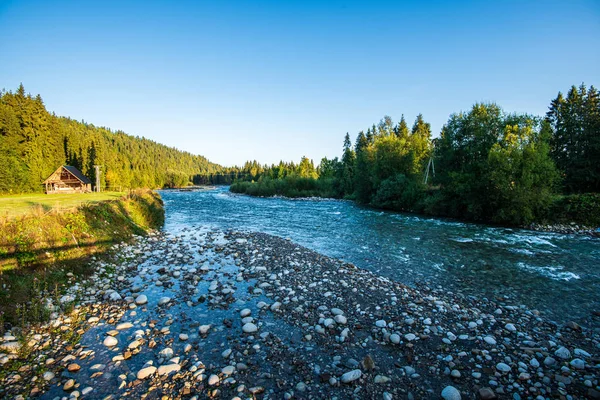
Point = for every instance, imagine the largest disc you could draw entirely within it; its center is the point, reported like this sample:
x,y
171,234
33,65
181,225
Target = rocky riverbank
x,y
566,229
212,314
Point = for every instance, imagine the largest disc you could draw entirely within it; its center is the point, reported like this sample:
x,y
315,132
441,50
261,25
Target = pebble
x,y
48,376
563,353
146,372
502,367
249,328
351,376
141,299
213,380
110,341
245,312
489,340
163,301
169,368
451,393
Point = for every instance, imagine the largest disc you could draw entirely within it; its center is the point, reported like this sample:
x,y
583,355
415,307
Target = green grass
x,y
16,205
38,250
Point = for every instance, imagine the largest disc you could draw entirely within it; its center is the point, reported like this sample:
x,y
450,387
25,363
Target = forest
x,y
34,143
487,165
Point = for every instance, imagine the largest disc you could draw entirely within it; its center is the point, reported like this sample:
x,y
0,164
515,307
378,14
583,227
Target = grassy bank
x,y
42,251
17,205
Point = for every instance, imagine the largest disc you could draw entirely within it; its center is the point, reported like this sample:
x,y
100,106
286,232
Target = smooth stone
x,y
578,363
141,299
213,380
502,367
169,368
146,372
410,337
183,337
163,301
351,376
203,329
487,393
381,323
489,340
70,384
395,338
249,328
48,376
110,341
228,370
124,325
563,353
450,393
73,367
245,312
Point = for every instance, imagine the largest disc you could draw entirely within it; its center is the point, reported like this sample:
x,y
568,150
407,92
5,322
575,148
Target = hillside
x,y
34,142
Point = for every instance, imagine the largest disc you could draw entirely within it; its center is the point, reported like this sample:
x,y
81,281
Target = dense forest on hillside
x,y
487,165
34,142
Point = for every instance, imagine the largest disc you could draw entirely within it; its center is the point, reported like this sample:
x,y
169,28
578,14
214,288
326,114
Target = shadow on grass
x,y
25,287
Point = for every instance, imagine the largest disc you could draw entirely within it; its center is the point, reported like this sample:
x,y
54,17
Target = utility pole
x,y
97,168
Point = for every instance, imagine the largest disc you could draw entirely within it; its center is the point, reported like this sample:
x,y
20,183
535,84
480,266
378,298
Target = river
x,y
555,273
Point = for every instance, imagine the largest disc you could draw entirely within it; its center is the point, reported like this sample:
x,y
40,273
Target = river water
x,y
554,273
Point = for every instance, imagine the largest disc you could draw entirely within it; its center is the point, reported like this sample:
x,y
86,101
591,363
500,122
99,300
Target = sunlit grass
x,y
16,205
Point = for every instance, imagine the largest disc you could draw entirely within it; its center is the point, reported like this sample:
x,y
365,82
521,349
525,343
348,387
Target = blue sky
x,y
271,80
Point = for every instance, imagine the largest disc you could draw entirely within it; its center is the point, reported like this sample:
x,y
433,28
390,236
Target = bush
x,y
399,193
583,209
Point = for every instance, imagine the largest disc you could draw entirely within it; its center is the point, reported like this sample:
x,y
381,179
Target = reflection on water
x,y
531,267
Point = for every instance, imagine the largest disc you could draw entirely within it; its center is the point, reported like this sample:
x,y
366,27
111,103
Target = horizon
x,y
235,82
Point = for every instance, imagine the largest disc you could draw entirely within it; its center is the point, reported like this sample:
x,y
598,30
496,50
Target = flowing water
x,y
555,273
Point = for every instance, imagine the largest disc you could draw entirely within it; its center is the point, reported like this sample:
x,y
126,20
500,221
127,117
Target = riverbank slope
x,y
42,251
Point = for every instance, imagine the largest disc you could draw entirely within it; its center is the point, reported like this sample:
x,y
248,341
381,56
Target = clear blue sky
x,y
281,79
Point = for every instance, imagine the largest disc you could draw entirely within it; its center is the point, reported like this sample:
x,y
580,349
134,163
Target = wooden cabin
x,y
67,179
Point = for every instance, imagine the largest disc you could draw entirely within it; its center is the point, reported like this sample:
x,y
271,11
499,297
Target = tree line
x,y
34,143
487,165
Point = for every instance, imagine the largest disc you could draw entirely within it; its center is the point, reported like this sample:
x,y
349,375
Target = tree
x,y
347,171
575,144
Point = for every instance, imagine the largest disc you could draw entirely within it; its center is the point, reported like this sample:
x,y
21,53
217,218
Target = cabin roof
x,y
74,171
